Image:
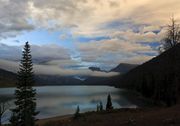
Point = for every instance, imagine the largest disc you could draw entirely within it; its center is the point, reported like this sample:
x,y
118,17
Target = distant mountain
x,y
123,67
7,78
81,78
56,80
88,80
96,69
158,78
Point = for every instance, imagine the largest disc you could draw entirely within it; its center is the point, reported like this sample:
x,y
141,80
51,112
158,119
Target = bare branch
x,y
172,35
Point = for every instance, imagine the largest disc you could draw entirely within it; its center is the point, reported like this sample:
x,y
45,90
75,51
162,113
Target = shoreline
x,y
120,117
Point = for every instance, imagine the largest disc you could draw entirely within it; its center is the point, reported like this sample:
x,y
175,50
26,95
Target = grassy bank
x,y
120,117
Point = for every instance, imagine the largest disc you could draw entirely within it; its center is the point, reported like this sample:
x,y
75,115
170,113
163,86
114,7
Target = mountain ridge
x,y
7,78
157,78
42,80
123,67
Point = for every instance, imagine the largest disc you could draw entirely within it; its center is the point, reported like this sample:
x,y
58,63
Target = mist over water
x,y
63,100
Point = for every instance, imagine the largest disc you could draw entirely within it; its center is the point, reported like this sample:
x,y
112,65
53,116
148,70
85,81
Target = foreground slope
x,y
158,78
121,117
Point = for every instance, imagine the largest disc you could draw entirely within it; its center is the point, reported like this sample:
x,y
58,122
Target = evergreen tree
x,y
109,103
76,115
13,119
101,106
98,108
25,111
144,86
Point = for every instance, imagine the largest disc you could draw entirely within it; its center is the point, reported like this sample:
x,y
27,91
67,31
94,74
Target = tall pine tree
x,y
109,103
25,111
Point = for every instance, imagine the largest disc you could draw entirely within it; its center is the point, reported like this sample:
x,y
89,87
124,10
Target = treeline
x,y
160,88
158,78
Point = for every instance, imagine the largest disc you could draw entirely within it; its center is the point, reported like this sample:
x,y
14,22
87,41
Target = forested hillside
x,y
158,78
7,78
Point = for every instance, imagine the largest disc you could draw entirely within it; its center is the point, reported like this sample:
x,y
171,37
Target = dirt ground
x,y
122,117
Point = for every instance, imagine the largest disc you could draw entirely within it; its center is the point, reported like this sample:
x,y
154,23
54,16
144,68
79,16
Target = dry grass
x,y
121,117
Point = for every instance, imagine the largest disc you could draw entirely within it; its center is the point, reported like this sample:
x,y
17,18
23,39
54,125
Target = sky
x,y
68,36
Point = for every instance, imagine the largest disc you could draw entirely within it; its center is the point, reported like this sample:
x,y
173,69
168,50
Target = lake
x,y
63,100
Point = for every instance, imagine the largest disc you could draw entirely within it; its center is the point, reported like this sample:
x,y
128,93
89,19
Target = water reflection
x,y
62,100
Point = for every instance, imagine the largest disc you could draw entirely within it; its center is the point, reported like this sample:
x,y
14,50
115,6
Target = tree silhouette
x,y
101,106
76,115
109,103
97,108
14,119
172,36
25,111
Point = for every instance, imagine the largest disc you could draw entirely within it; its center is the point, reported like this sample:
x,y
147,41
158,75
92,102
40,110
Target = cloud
x,y
9,65
40,53
14,18
49,52
54,70
114,51
66,64
10,52
82,17
48,60
147,34
86,17
137,59
131,28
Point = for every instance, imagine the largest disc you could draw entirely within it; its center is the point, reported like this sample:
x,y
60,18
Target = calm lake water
x,y
62,100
